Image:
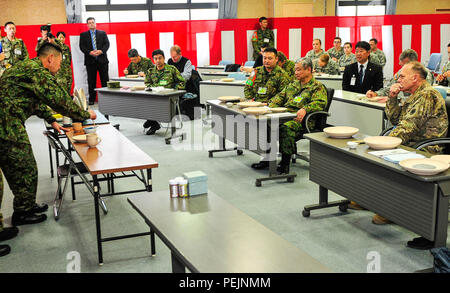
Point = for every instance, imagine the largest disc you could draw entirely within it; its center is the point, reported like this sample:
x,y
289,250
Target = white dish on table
x,y
382,142
424,167
341,131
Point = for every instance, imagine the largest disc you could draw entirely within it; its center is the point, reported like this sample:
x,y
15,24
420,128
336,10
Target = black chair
x,y
67,171
320,123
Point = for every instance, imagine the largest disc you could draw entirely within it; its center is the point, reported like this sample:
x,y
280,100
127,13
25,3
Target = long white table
x,y
126,81
330,81
352,109
212,89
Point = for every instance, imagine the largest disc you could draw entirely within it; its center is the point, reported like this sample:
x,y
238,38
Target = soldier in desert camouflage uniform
x,y
27,89
164,75
445,76
336,52
138,64
317,51
348,57
376,55
303,96
325,65
14,50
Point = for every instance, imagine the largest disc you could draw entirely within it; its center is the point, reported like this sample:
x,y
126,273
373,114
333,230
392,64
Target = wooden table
x,y
141,104
417,203
208,235
114,154
258,134
352,109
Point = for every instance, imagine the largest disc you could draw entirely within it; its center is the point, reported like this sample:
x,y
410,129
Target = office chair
x,y
249,64
434,62
237,76
225,62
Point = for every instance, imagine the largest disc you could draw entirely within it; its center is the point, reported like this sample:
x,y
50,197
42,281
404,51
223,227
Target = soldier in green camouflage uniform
x,y
303,96
316,52
266,81
336,52
325,65
64,75
27,89
14,50
444,78
376,55
261,36
286,64
138,63
164,75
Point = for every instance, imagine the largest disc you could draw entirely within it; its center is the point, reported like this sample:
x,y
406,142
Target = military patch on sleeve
x,y
255,36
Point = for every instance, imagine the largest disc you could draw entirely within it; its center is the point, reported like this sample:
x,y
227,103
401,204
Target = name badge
x,y
262,90
298,99
353,81
266,40
18,52
64,57
163,82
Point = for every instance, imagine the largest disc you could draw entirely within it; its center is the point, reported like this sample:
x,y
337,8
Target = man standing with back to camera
x,y
94,44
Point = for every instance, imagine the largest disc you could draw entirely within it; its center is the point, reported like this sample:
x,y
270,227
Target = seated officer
x,y
162,75
325,65
138,65
264,83
286,64
445,76
303,96
316,51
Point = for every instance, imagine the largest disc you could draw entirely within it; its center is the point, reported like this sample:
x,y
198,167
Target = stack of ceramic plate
x,y
425,166
340,131
382,142
255,110
249,104
226,99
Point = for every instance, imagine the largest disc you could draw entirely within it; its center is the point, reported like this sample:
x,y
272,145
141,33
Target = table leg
x,y
440,238
177,265
149,180
97,219
152,242
323,203
51,160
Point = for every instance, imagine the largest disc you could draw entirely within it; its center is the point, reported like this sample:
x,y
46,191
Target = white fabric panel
x,y
388,49
295,43
138,42
113,68
228,46
319,33
344,34
366,33
249,45
426,43
406,36
79,70
202,49
445,40
275,31
165,43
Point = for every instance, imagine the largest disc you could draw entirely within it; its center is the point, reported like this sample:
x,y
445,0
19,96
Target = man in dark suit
x,y
94,44
363,75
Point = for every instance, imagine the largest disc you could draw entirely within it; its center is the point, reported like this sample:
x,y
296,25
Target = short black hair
x,y
338,38
45,27
374,40
448,45
273,50
48,48
133,53
363,45
9,22
264,45
262,18
348,43
158,52
89,18
61,33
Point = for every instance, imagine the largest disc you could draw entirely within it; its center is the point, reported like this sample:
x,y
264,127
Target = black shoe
x,y
4,250
39,208
153,129
261,165
23,218
147,124
283,167
420,243
91,103
8,233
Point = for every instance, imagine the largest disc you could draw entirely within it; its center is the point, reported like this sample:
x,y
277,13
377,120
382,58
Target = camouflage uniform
x,y
335,53
262,85
378,57
331,68
14,50
143,66
27,89
385,90
313,56
289,67
446,68
260,37
168,77
311,96
347,60
422,116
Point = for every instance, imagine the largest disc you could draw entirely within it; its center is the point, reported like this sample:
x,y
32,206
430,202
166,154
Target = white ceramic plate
x,y
441,158
228,79
382,142
340,131
138,88
424,166
249,104
255,110
229,98
132,76
278,110
80,138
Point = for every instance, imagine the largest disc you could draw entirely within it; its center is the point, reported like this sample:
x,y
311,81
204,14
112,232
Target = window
x,y
360,7
145,10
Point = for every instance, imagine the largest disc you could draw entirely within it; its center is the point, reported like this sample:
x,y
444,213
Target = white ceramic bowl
x,y
424,167
340,131
382,142
90,129
441,158
255,110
